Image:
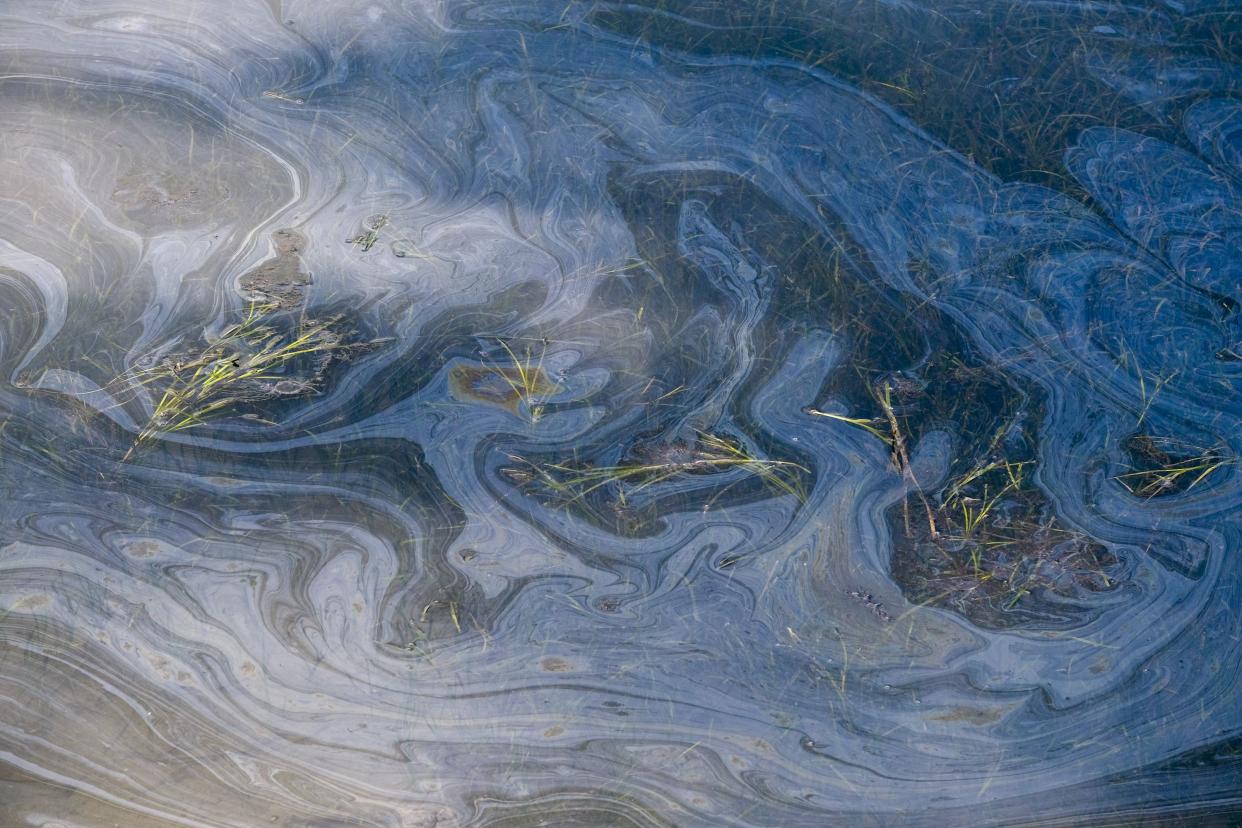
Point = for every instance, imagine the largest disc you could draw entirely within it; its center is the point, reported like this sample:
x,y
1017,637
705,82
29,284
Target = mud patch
x,y
280,281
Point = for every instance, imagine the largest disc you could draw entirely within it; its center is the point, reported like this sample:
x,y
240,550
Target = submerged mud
x,y
480,413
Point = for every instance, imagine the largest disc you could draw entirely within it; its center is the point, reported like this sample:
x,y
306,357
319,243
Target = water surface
x,y
634,414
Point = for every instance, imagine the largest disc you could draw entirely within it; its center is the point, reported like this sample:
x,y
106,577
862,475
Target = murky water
x,y
708,413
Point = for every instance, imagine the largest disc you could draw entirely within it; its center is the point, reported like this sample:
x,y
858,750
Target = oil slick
x,y
433,414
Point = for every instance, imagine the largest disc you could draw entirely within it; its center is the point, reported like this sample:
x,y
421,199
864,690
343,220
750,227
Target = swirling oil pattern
x,y
703,413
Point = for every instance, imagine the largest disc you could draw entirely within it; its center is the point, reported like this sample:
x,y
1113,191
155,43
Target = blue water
x,y
445,413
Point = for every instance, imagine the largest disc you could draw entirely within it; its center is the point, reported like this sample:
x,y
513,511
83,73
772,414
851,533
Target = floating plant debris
x,y
1167,466
260,358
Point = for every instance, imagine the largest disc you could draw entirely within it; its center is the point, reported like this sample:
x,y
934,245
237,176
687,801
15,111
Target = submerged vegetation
x,y
980,536
517,383
1166,465
615,489
931,71
526,379
1001,556
274,351
990,542
263,356
370,234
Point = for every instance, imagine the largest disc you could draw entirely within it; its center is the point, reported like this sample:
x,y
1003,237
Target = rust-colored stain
x,y
505,387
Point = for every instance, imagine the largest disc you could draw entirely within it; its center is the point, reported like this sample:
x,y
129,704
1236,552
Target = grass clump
x,y
999,548
526,379
516,383
584,485
1165,465
253,360
370,234
988,544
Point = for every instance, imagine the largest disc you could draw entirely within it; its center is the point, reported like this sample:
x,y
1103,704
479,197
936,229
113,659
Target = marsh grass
x,y
370,234
990,544
1008,86
999,545
975,511
986,542
250,361
870,425
575,483
1167,465
527,379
